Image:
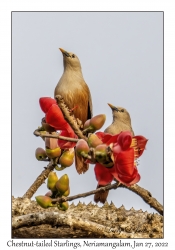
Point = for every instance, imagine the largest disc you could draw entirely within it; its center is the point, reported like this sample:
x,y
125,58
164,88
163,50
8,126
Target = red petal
x,y
107,138
46,103
125,139
70,131
124,162
137,179
66,144
141,143
55,118
100,135
128,180
116,150
103,175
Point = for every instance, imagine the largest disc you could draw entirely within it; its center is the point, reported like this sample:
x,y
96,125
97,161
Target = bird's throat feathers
x,y
71,74
72,66
121,117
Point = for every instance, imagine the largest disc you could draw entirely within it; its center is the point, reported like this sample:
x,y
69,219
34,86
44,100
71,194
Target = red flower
x,y
55,118
125,150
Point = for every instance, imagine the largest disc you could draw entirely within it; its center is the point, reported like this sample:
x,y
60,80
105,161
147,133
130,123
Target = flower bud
x,y
102,156
94,141
82,147
67,192
62,184
97,121
63,206
51,181
53,153
87,124
49,193
67,158
40,154
44,201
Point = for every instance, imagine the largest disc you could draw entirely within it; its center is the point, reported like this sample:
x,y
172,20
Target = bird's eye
x,y
73,56
122,110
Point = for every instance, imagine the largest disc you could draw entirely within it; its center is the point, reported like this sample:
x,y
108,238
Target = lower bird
x,y
121,122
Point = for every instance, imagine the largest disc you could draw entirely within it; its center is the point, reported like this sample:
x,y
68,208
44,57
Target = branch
x,y
39,181
69,118
37,133
146,196
57,218
143,193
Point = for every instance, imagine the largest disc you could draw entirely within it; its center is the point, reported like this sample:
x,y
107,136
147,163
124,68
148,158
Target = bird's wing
x,y
90,112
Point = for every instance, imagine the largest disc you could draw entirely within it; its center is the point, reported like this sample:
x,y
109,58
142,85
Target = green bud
x,y
67,192
53,153
44,201
62,184
94,141
67,158
102,156
63,206
51,181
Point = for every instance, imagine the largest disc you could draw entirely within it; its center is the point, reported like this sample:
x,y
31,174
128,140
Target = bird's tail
x,y
80,165
101,196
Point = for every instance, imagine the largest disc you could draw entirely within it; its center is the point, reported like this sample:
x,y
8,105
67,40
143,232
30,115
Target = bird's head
x,y
70,60
120,113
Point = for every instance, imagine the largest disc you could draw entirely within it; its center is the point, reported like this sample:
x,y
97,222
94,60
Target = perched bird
x,y
75,92
121,122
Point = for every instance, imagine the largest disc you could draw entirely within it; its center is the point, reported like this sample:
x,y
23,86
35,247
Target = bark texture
x,y
29,220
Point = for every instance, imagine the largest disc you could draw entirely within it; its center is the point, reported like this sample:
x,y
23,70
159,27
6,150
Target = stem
x,y
39,181
37,133
69,118
143,193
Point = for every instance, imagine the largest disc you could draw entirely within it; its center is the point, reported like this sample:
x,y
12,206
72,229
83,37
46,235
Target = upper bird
x,y
121,122
75,92
73,88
